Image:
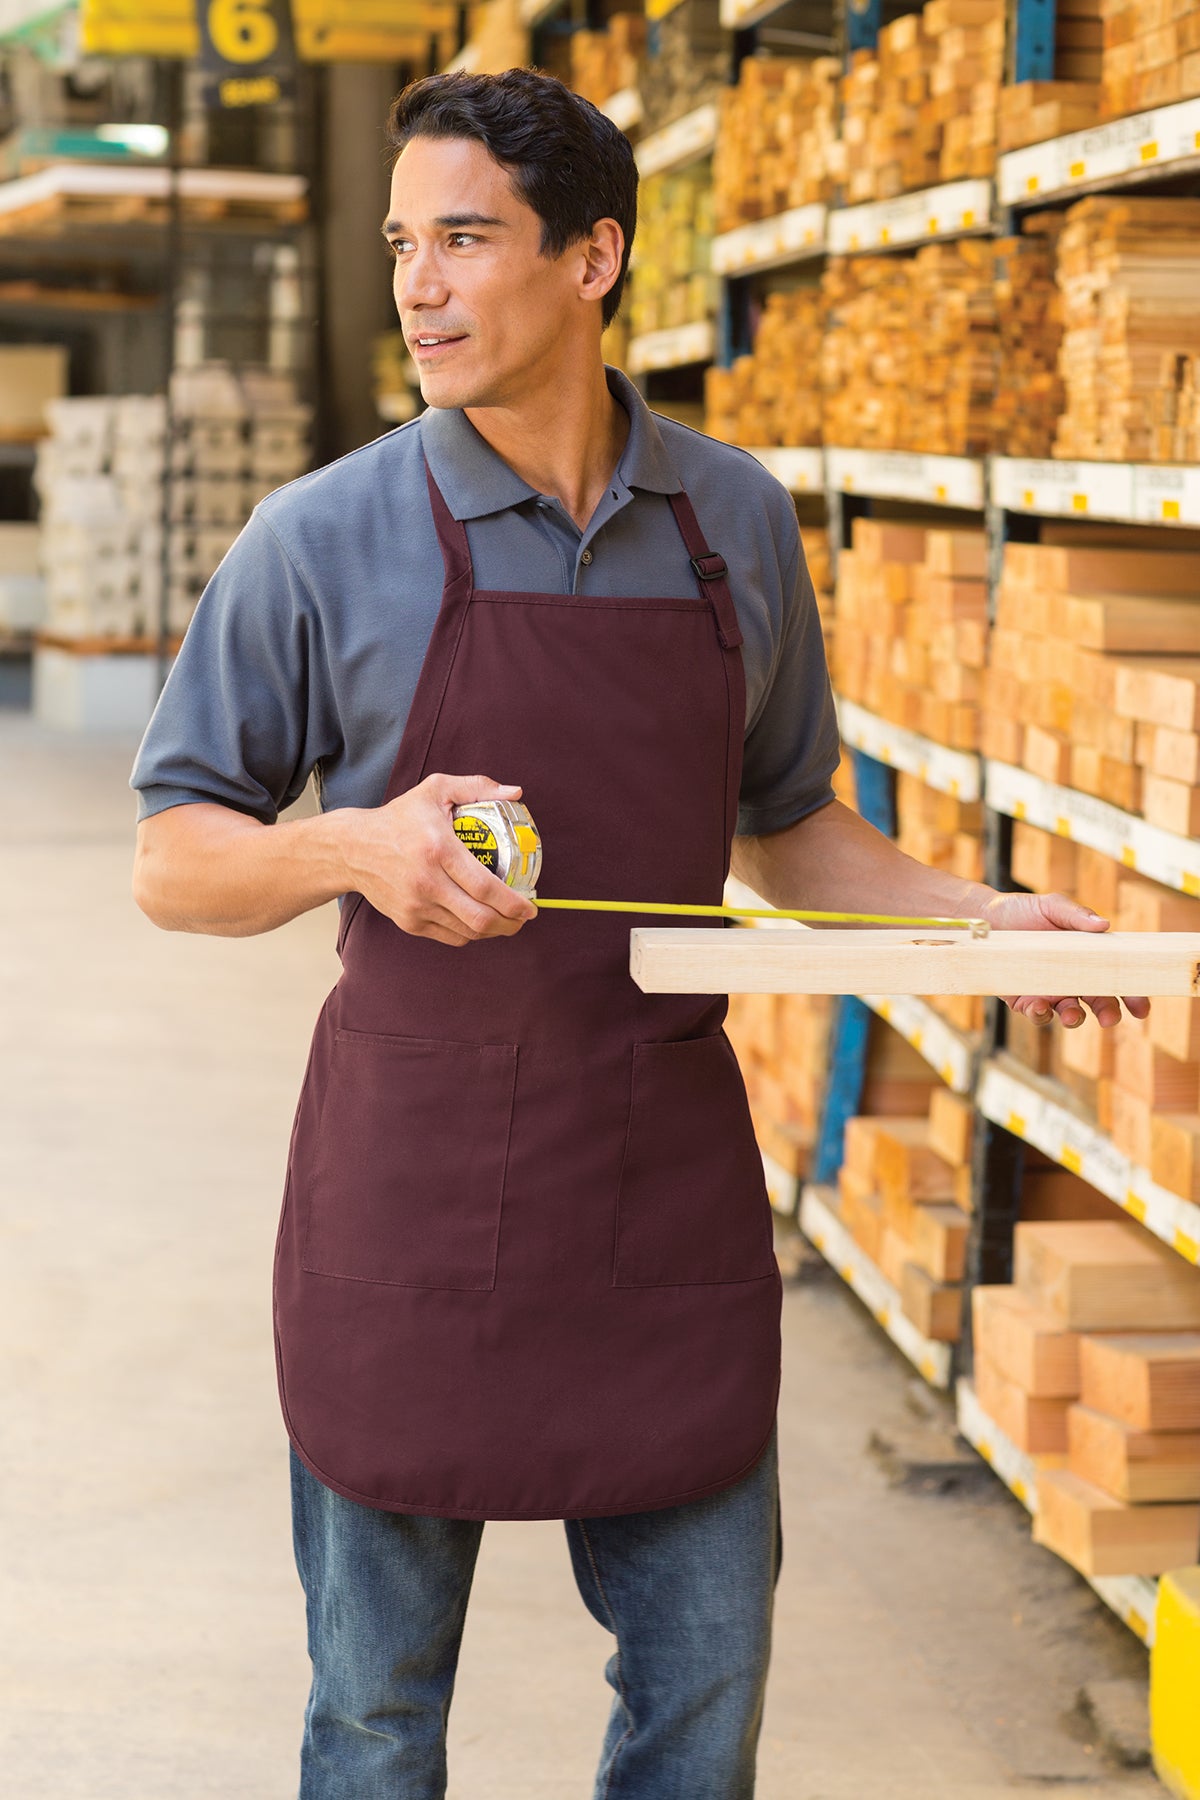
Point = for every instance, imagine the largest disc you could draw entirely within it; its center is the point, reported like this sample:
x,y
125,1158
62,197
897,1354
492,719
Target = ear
x,y
602,254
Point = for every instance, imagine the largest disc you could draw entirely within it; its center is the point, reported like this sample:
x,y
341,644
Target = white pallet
x,y
673,348
1042,1116
822,1227
951,210
1134,1598
684,141
1134,842
770,243
1125,147
957,772
908,475
802,471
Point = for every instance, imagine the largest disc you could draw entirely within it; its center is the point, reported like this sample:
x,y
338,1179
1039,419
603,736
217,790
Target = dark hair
x,y
567,160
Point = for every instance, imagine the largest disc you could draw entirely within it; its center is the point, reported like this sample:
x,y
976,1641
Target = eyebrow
x,y
447,222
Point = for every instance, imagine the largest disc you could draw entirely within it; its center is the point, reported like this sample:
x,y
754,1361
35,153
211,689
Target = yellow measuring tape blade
x,y
977,927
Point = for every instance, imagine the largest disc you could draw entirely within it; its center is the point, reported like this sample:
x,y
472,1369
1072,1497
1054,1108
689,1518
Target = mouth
x,y
430,345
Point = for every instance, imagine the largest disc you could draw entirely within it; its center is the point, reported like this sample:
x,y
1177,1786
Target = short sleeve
x,y
793,746
242,719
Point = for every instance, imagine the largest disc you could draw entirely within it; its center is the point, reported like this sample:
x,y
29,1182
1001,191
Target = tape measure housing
x,y
502,836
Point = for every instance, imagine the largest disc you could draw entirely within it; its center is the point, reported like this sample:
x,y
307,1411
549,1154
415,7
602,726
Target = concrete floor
x,y
154,1638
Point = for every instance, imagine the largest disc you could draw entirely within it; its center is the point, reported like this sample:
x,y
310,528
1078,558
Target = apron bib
x,y
524,1267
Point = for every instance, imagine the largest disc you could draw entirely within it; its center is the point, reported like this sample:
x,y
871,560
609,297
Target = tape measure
x,y
502,836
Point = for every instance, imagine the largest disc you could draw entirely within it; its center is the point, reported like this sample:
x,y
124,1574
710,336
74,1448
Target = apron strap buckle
x,y
710,566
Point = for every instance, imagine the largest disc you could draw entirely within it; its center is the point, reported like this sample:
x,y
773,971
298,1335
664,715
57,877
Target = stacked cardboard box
x,y
114,469
604,63
912,627
773,395
1151,54
672,282
1091,1363
776,129
1073,691
1129,270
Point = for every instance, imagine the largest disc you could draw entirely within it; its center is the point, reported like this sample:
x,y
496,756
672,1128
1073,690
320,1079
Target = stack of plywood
x,y
911,359
911,627
782,1042
672,280
1073,692
1029,314
1151,54
904,1194
1091,1363
1129,270
688,65
604,63
776,128
773,395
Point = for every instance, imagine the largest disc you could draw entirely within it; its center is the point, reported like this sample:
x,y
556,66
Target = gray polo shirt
x,y
304,652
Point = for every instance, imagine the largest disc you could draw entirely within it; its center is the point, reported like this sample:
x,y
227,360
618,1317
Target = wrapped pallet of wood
x,y
773,396
777,126
688,65
1129,270
1151,55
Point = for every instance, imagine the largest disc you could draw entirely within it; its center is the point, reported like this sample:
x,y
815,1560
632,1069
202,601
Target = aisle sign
x,y
246,51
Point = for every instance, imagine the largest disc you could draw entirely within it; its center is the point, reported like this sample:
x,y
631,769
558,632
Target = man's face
x,y
470,276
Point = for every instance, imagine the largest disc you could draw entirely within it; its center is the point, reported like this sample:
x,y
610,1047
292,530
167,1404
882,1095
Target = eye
x,y
463,237
396,245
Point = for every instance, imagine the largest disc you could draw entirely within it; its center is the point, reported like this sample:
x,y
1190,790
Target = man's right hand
x,y
406,860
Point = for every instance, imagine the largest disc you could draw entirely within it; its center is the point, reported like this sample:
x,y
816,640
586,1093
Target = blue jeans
x,y
687,1592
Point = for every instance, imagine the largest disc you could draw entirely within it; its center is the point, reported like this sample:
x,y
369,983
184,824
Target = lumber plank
x,y
1025,1343
1132,1465
1101,1536
892,961
1148,1380
1096,1275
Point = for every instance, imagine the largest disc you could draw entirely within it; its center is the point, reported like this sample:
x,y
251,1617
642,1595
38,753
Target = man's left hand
x,y
1054,912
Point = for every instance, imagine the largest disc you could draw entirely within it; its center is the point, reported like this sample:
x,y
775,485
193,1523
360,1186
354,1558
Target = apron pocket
x,y
408,1178
692,1204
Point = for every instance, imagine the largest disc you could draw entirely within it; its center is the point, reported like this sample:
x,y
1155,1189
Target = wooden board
x,y
1025,1344
837,961
1095,1275
1134,1466
1101,1536
1150,1381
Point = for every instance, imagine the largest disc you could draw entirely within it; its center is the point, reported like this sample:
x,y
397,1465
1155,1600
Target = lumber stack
x,y
672,282
100,479
1090,1362
605,62
1151,54
904,1195
1029,319
1129,270
1175,409
689,66
776,129
782,1044
1072,692
910,639
772,396
1032,111
818,556
965,82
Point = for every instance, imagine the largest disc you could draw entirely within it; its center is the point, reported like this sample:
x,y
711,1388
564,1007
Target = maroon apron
x,y
524,1267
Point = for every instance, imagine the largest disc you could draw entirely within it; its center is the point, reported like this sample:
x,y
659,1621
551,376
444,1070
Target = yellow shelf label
x,y
1071,1159
1149,151
1135,1206
1129,856
1016,1124
1079,503
1032,183
1078,170
1019,810
1020,1490
1190,883
1170,509
968,219
1187,1247
1062,827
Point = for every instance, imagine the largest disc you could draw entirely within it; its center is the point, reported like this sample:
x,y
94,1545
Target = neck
x,y
565,438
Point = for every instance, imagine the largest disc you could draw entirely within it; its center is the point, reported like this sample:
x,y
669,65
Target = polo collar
x,y
475,481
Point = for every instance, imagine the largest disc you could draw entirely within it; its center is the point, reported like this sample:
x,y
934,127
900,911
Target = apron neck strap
x,y
451,535
710,571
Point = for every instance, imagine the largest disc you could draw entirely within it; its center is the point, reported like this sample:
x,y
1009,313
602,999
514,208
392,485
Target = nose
x,y
419,281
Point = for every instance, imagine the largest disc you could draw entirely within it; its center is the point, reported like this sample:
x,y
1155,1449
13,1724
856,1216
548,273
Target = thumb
x,y
460,790
1070,915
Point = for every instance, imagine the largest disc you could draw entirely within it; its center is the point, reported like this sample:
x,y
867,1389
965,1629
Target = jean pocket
x,y
692,1204
408,1177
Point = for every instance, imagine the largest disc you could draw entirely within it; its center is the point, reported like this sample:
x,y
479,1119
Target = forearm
x,y
833,861
206,868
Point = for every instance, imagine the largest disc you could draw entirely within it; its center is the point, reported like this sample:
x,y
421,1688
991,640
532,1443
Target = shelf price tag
x,y
247,52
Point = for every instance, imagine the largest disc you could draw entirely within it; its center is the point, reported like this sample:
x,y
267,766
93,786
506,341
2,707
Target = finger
x,y
1106,1007
1136,1005
468,876
1036,1007
1071,1012
475,916
1069,915
460,790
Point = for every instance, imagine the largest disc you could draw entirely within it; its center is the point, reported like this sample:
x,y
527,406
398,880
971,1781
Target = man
x,y
524,1266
